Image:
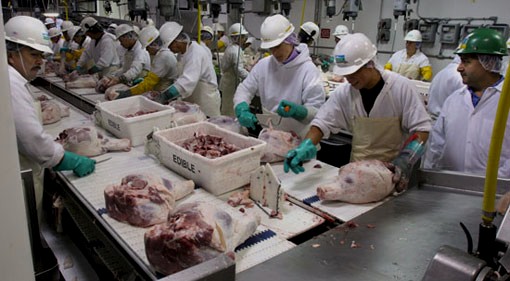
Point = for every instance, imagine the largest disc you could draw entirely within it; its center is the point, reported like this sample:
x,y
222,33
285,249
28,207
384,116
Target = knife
x,y
103,160
269,119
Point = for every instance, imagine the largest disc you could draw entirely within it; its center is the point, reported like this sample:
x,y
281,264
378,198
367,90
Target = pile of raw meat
x,y
209,146
82,81
87,141
278,144
186,113
195,233
51,111
144,200
359,182
140,113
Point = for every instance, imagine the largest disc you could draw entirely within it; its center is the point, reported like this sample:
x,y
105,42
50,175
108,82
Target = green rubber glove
x,y
123,94
137,81
245,117
295,157
403,164
169,94
290,109
94,69
80,165
64,49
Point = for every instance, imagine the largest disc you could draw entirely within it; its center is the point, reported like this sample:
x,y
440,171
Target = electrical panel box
x,y
410,25
428,31
450,33
468,28
262,7
384,24
383,30
501,28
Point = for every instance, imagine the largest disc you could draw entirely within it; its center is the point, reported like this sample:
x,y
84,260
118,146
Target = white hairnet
x,y
490,63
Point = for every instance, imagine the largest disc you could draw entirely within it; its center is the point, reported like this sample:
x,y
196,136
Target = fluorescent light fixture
x,y
51,14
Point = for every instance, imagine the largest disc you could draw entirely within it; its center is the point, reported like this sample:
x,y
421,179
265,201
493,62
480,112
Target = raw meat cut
x,y
84,81
144,200
140,113
152,95
359,182
226,122
195,233
186,113
87,141
240,198
71,76
102,84
111,93
209,146
278,144
52,112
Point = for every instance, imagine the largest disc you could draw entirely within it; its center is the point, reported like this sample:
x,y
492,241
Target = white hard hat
x,y
113,26
148,35
28,31
49,21
311,29
218,27
340,31
54,32
150,22
207,28
87,23
237,29
274,30
66,25
250,40
72,32
136,29
508,43
169,31
353,52
413,36
122,29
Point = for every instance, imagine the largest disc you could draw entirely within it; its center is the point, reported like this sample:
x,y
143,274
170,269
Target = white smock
x,y
398,99
461,136
164,65
36,148
232,73
55,47
298,81
209,52
409,67
445,83
103,53
136,63
198,83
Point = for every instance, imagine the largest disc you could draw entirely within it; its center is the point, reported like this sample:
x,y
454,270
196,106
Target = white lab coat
x,y
403,65
209,52
103,53
232,73
164,65
461,136
399,100
33,141
504,65
445,83
55,47
298,81
198,83
136,63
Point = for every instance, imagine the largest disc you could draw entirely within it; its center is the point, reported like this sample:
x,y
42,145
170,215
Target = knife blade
x,y
102,160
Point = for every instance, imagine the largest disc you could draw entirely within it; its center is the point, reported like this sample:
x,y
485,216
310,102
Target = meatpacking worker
x,y
377,106
26,42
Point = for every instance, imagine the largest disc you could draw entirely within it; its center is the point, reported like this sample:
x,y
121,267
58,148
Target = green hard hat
x,y
483,41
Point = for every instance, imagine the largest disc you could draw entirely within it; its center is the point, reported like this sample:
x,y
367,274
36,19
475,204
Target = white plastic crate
x,y
217,175
110,115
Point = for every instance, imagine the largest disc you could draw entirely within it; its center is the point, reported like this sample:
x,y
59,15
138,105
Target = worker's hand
x,y
137,81
295,157
290,109
245,117
80,70
401,174
503,203
169,94
80,165
123,94
94,70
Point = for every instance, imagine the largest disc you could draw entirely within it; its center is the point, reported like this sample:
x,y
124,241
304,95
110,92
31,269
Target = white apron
x,y
376,138
207,97
411,71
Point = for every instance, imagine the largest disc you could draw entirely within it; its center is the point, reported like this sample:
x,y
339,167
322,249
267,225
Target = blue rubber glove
x,y
80,165
245,117
137,81
290,109
80,70
94,69
295,157
64,49
169,94
403,164
123,94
